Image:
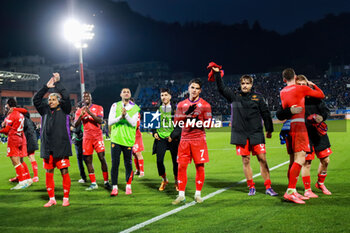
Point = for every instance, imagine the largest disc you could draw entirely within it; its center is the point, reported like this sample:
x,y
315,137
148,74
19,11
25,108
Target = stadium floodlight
x,y
77,34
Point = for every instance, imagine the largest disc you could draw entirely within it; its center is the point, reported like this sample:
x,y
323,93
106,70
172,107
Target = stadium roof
x,y
7,76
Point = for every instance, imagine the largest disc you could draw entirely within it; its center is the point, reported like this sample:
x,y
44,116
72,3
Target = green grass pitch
x,y
230,211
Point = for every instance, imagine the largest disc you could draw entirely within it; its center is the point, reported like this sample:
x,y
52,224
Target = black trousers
x,y
162,146
79,151
116,150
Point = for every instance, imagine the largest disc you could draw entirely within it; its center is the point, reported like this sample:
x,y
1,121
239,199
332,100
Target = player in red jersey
x,y
32,145
17,143
137,151
316,112
91,115
192,115
298,143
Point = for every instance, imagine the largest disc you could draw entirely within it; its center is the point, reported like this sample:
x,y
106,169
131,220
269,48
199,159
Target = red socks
x,y
200,176
307,181
182,176
141,165
250,184
136,161
66,185
26,171
267,184
164,177
293,175
20,172
130,178
35,168
105,176
50,185
321,178
92,177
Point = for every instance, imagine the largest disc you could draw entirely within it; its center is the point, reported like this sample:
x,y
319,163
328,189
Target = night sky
x,y
281,16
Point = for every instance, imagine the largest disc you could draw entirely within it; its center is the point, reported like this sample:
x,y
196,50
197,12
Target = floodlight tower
x,y
78,34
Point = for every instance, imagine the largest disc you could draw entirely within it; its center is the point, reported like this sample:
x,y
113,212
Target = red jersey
x,y
295,95
92,129
14,124
138,131
202,113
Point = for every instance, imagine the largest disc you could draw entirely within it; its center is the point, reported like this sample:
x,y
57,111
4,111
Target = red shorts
x,y
138,146
194,149
320,154
245,150
60,163
90,144
298,139
16,148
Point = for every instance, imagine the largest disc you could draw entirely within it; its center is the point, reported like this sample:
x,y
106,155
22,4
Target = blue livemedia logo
x,y
151,120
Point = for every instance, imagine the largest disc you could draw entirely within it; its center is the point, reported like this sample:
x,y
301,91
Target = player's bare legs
x,y
248,172
265,173
104,168
305,173
91,170
264,168
322,174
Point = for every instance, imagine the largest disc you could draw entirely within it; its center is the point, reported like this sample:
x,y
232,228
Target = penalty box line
x,y
174,211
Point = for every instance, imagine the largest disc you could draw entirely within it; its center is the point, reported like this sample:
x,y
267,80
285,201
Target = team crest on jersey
x,y
113,145
200,104
255,97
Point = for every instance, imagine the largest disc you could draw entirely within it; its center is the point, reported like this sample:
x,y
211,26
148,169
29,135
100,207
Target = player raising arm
x,y
55,146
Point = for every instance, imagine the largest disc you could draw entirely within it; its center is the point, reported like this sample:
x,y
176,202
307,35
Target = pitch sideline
x,y
174,211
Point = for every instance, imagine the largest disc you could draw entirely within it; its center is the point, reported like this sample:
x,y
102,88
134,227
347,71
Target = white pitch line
x,y
174,211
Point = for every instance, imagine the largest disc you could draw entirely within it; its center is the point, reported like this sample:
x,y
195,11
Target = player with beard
x,y
248,110
122,118
316,112
298,140
91,116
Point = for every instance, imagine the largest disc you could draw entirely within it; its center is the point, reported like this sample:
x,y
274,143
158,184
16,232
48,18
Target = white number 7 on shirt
x,y
202,154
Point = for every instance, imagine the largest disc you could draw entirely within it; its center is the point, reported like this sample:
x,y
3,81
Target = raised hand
x,y
51,83
56,77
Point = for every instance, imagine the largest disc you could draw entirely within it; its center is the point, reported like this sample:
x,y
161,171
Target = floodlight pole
x,y
82,82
